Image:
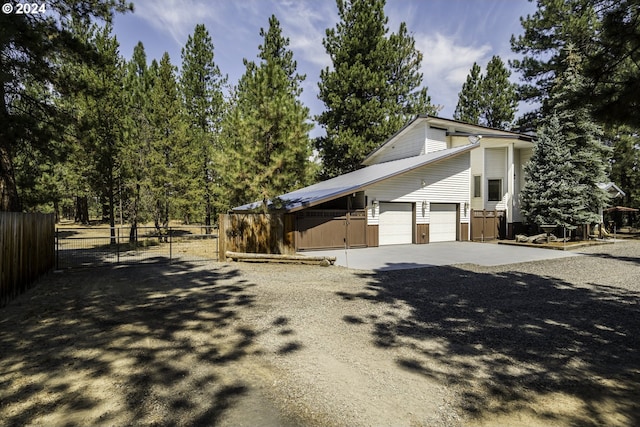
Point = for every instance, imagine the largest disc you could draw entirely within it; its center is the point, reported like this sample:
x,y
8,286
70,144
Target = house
x,y
427,183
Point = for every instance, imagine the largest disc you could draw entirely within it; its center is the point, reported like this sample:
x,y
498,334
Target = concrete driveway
x,y
399,257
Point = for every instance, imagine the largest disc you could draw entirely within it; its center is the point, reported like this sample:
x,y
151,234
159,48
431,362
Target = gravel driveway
x,y
552,342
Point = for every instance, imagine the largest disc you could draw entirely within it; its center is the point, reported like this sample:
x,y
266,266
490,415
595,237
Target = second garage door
x,y
443,224
396,223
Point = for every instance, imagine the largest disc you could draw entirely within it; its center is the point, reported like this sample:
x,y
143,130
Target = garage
x,y
396,223
443,225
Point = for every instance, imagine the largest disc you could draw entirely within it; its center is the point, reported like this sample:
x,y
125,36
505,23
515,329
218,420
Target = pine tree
x,y
201,84
554,25
268,127
372,88
137,140
583,136
551,188
606,34
577,163
490,99
499,97
625,163
468,109
612,64
30,46
167,181
99,113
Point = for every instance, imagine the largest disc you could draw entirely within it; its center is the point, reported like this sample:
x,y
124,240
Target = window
x,y
477,184
495,190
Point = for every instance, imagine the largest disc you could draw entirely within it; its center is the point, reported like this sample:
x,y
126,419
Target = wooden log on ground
x,y
295,259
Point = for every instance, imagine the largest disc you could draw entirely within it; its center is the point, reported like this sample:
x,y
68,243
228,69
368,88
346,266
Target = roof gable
x,y
403,137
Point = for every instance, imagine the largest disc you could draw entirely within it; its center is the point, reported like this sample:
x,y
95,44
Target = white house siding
x,y
495,161
408,144
444,182
436,140
477,162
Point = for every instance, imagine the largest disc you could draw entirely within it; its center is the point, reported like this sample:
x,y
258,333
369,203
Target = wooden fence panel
x,y
255,233
487,225
27,243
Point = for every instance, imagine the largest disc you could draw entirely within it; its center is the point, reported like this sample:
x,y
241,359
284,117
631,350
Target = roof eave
x,y
376,181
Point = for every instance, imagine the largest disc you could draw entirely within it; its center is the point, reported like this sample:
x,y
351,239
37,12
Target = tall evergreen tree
x,y
372,88
137,143
612,65
546,32
625,163
468,109
499,97
30,45
583,136
551,187
169,150
100,109
268,127
201,83
575,141
490,99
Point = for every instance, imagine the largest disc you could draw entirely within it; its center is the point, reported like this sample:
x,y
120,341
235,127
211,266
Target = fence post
x,y
57,249
169,235
118,246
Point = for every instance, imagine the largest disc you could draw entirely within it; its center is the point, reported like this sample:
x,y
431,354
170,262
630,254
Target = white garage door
x,y
443,223
396,221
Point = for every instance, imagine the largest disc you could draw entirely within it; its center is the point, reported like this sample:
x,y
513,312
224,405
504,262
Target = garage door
x,y
396,223
443,223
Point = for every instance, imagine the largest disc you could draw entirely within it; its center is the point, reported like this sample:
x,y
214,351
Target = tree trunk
x,y
82,210
112,220
56,210
9,199
133,233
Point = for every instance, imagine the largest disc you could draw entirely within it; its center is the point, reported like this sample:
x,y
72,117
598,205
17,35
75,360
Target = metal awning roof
x,y
355,181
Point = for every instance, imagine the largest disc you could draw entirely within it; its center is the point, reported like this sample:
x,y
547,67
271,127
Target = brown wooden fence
x,y
487,225
27,243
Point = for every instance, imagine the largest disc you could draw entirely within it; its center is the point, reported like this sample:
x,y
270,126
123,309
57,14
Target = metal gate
x,y
323,229
487,225
99,246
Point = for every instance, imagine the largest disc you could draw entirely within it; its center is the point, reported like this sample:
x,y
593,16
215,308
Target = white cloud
x,y
305,22
177,17
446,64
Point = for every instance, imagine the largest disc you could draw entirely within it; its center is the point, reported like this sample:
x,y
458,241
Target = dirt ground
x,y
554,343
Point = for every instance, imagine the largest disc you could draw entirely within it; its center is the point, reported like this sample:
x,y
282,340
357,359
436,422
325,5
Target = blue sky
x,y
451,34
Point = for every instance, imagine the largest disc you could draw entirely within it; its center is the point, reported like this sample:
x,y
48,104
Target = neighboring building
x,y
420,186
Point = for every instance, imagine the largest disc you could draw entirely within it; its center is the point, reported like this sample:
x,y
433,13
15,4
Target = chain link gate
x,y
100,246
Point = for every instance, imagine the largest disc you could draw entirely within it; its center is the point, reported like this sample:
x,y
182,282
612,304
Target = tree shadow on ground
x,y
162,339
514,343
628,259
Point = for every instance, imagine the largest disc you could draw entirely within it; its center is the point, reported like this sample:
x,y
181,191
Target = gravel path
x,y
541,343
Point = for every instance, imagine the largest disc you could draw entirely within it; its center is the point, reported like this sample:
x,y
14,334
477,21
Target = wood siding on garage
x,y
372,236
422,233
464,232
